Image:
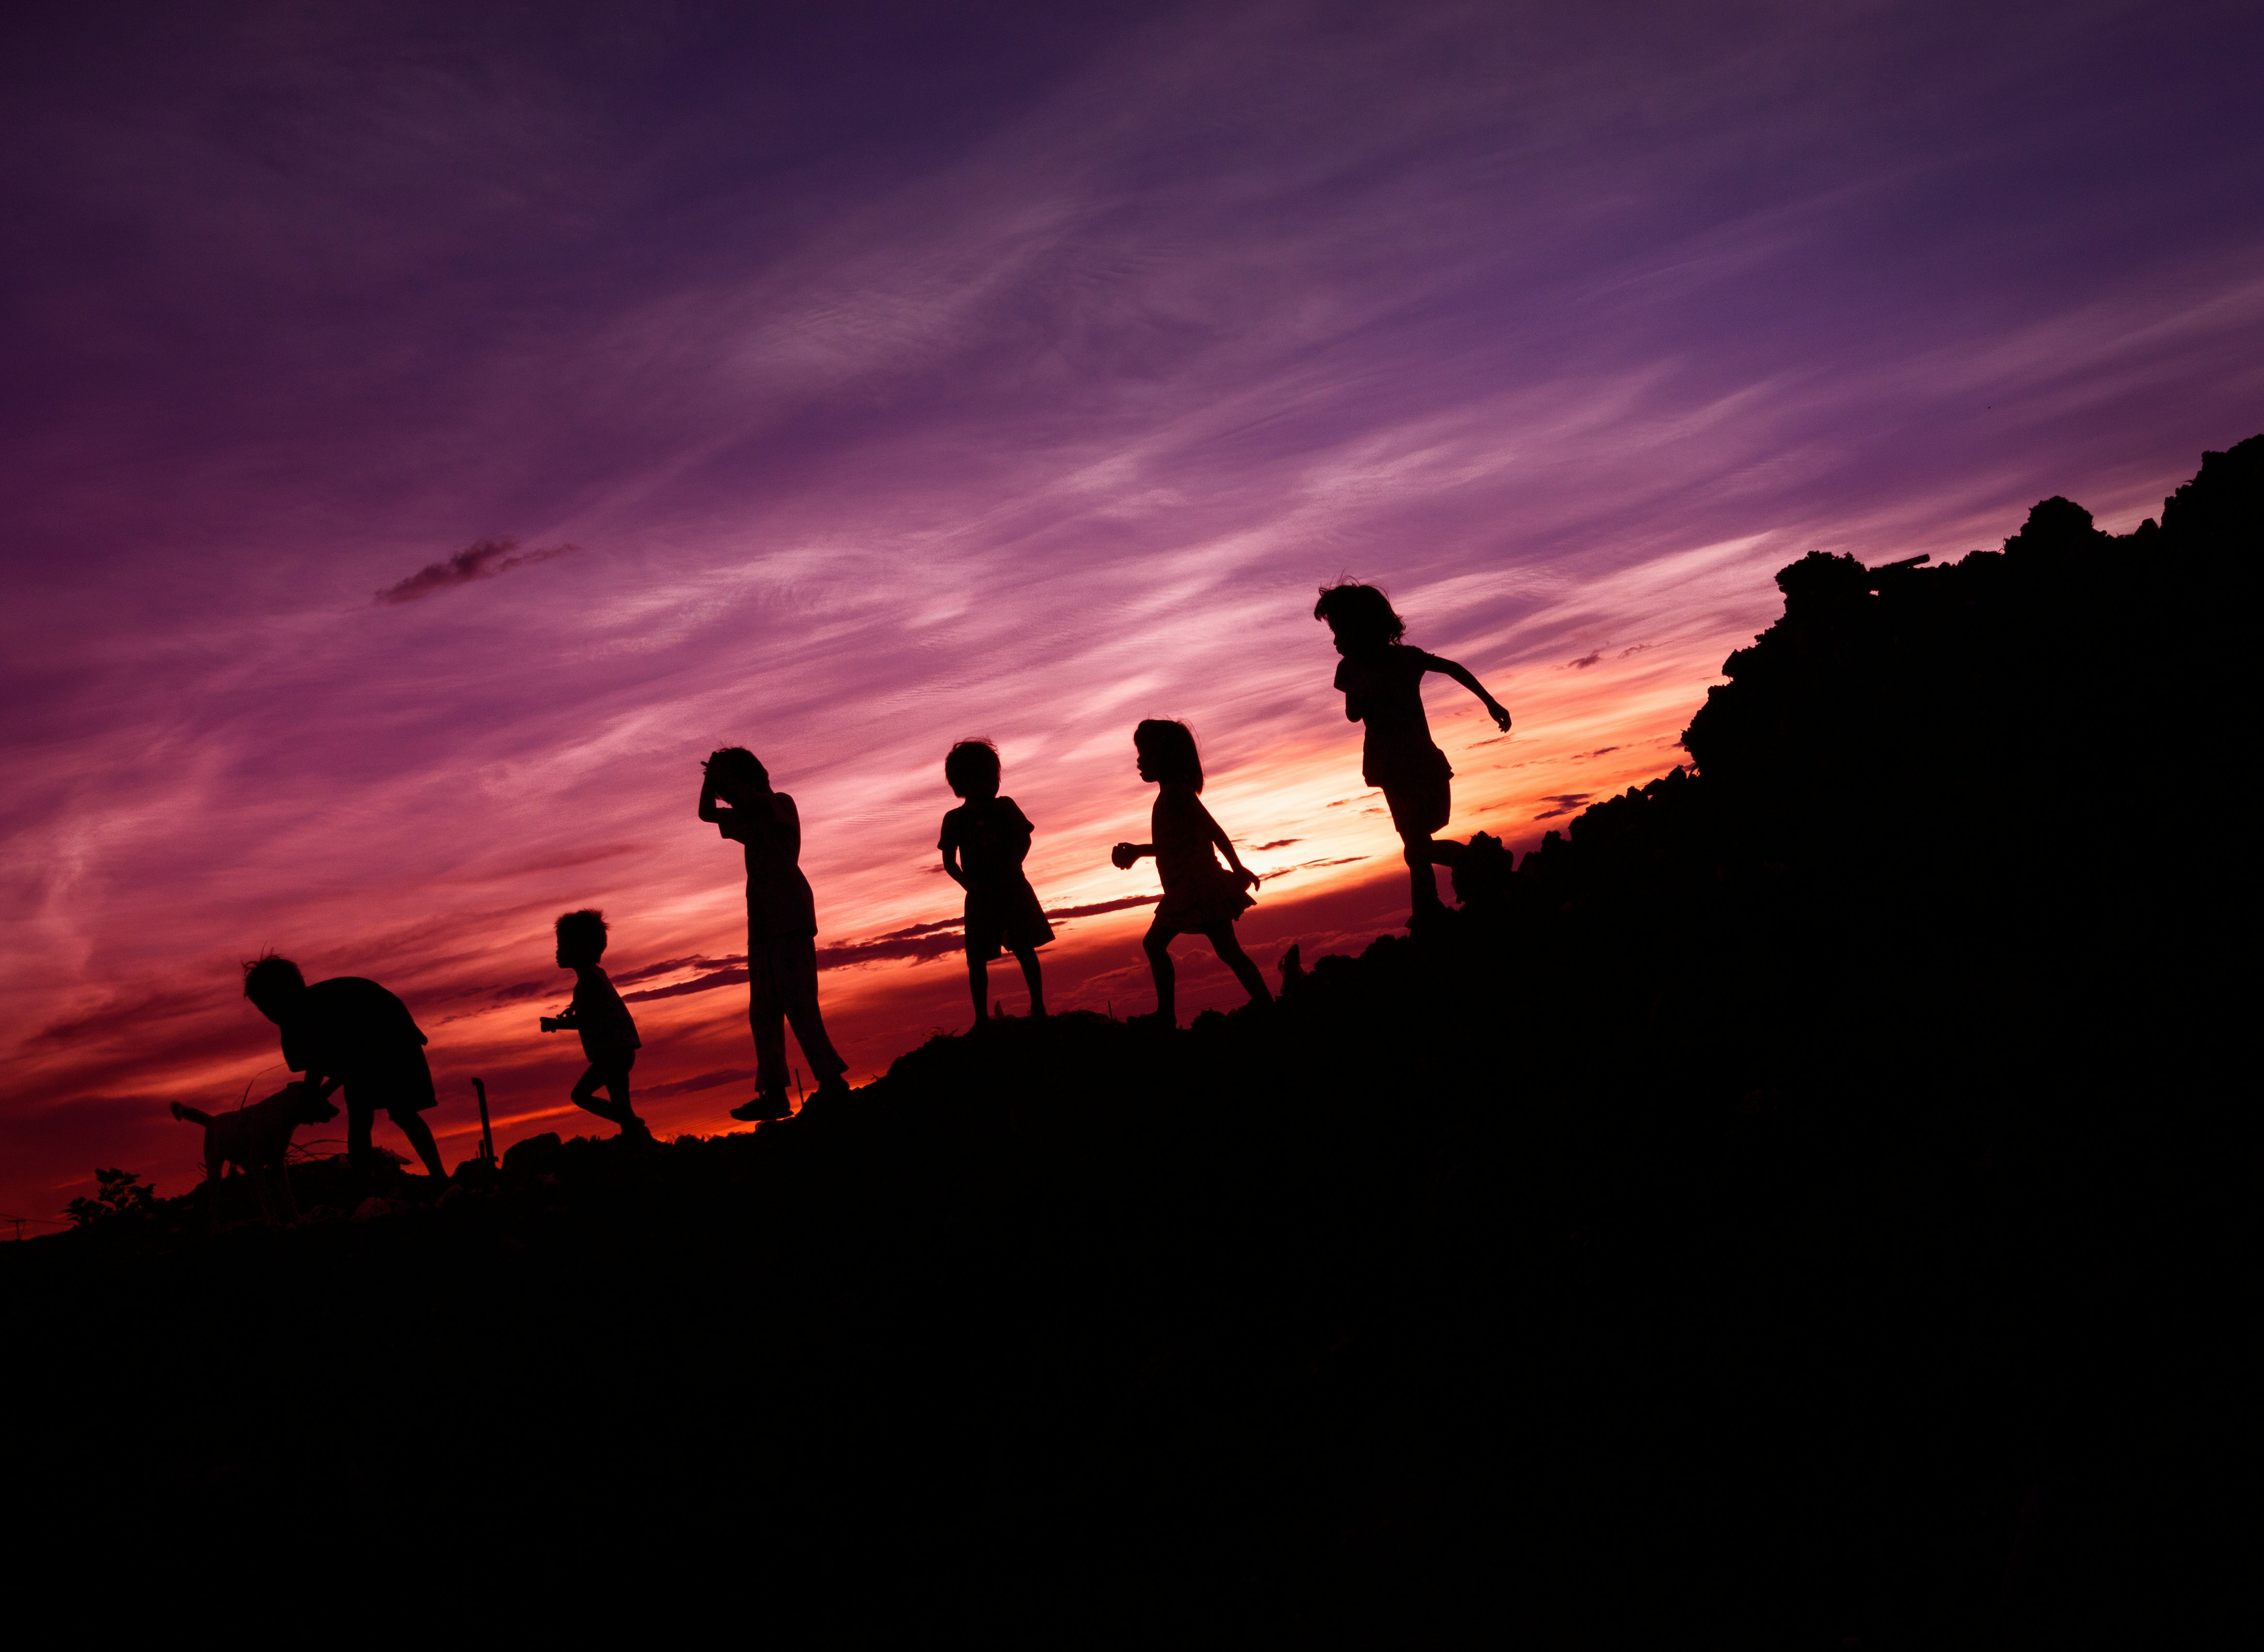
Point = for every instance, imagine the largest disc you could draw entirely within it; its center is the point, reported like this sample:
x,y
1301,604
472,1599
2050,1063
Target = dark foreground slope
x,y
1791,1210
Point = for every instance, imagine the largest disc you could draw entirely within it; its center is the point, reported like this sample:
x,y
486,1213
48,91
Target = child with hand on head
x,y
1201,896
984,842
609,1034
1381,679
737,798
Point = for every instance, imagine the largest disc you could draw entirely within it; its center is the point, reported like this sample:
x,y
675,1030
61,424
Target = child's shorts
x,y
401,1084
1008,918
1420,800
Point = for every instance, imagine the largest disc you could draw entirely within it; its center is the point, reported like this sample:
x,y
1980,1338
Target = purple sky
x,y
428,430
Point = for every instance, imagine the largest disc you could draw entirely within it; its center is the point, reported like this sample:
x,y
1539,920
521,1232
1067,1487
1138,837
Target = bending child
x,y
1200,897
984,842
1382,681
781,929
349,1031
609,1034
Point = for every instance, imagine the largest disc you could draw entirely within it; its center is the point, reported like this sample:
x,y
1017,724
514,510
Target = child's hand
x,y
1500,715
1124,855
1250,879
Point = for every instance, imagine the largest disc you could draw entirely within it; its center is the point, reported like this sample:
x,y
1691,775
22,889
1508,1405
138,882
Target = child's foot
x,y
828,1094
763,1107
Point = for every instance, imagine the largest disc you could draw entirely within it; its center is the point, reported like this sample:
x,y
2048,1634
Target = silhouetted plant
x,y
121,1194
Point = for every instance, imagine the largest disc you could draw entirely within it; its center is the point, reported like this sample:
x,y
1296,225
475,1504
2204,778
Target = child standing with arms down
x,y
781,929
609,1034
1382,681
984,842
1201,896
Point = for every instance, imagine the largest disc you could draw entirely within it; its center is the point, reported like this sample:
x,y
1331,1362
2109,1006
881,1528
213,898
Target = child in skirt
x,y
1200,897
984,841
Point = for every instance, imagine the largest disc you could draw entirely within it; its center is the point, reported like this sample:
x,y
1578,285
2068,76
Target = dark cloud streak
x,y
485,559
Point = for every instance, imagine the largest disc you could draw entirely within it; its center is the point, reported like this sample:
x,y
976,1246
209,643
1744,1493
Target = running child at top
x,y
1382,681
984,843
1200,897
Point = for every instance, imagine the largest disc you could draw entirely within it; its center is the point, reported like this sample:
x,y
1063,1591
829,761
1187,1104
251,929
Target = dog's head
x,y
306,1103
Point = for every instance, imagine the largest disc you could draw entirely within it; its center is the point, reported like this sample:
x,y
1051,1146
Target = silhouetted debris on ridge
x,y
1790,1207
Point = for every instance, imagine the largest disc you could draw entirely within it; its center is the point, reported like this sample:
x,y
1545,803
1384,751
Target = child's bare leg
x,y
412,1125
1032,978
586,1096
1422,886
617,1085
1228,946
1158,948
978,983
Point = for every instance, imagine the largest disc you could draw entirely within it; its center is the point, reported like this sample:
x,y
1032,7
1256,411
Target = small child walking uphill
x,y
1200,897
1381,679
984,842
609,1034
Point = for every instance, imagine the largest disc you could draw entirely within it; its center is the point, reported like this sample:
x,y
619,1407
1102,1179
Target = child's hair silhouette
x,y
271,977
585,930
971,768
1360,614
1169,747
738,763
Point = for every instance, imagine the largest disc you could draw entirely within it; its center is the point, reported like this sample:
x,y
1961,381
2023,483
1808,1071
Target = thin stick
x,y
486,1136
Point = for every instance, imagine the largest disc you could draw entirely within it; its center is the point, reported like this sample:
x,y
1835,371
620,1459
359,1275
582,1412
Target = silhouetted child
x,y
1382,681
1200,897
781,929
351,1032
984,841
609,1034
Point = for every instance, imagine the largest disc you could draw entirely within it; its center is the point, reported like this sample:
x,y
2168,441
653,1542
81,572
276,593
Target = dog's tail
x,y
188,1114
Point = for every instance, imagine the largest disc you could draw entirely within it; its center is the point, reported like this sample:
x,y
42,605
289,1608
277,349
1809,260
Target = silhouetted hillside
x,y
1789,1209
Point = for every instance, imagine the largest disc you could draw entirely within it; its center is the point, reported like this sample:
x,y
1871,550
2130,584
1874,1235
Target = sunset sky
x,y
428,430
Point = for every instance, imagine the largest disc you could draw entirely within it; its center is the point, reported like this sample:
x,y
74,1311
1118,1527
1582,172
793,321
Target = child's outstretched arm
x,y
1494,707
1127,855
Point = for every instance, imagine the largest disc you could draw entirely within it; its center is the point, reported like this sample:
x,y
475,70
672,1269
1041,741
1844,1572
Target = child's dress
x,y
1001,909
1199,894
